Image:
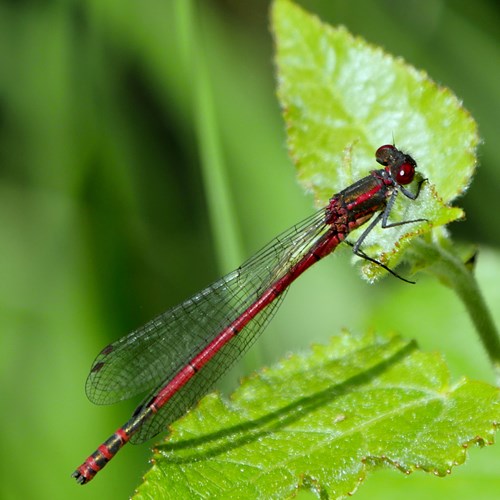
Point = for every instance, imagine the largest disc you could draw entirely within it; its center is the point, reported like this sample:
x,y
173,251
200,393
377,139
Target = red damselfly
x,y
177,357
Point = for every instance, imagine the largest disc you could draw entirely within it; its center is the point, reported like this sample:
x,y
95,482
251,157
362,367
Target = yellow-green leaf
x,y
342,98
321,421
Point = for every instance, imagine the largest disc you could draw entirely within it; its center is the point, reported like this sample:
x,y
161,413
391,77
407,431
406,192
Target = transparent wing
x,y
147,358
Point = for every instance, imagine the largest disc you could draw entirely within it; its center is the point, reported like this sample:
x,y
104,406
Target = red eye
x,y
405,174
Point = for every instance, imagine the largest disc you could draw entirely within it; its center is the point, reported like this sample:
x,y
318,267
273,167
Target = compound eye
x,y
405,173
385,154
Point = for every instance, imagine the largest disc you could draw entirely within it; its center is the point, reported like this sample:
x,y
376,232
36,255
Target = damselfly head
x,y
399,165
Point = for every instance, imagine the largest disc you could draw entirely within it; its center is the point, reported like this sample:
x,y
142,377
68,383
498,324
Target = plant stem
x,y
221,208
194,38
451,271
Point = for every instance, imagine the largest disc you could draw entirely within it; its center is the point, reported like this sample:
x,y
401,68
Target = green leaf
x,y
321,421
342,98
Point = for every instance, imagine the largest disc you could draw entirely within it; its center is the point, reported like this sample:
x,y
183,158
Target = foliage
x,y
105,220
321,420
307,423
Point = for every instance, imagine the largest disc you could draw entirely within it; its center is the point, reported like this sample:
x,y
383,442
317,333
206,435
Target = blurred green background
x,y
142,155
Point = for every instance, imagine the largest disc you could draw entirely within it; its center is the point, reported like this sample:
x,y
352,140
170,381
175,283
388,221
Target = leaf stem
x,y
449,268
